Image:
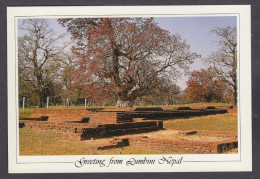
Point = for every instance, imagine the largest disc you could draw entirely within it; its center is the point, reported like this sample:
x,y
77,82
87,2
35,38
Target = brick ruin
x,y
83,131
181,146
95,123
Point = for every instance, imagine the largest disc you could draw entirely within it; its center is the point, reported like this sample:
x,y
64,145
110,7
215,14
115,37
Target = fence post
x,y
67,103
85,103
23,103
47,102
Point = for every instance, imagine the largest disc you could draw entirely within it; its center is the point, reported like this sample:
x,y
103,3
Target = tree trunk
x,y
41,100
121,103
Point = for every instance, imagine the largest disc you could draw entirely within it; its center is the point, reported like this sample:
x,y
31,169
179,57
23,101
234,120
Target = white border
x,y
206,162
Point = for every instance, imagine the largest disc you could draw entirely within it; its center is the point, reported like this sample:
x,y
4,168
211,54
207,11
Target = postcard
x,y
99,89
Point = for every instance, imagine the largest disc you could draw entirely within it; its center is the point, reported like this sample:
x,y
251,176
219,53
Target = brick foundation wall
x,y
103,117
111,117
41,118
183,146
85,131
149,109
155,115
61,114
67,128
108,130
119,109
128,125
175,146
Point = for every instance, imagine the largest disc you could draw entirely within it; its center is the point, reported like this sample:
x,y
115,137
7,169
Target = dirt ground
x,y
174,135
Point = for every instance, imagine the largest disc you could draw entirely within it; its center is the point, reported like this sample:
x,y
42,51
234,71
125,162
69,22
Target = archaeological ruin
x,y
95,123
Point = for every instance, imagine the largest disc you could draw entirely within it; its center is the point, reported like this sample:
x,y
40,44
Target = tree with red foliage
x,y
205,85
126,55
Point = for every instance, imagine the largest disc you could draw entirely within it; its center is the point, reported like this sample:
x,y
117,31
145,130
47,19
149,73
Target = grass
x,y
27,112
220,122
174,135
35,142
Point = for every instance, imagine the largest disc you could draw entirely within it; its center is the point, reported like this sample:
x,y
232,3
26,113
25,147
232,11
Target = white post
x,y
67,103
85,103
23,103
47,102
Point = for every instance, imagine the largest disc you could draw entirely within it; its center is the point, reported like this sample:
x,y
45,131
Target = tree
x,y
38,49
76,86
225,59
165,93
128,55
205,85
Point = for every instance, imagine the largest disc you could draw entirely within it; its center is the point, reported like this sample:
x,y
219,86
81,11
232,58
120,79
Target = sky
x,y
195,30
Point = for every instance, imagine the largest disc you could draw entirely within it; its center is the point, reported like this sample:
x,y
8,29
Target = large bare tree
x,y
132,54
225,58
38,50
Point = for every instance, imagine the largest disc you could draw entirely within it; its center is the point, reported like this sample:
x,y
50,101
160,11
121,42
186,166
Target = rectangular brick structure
x,y
113,117
168,145
61,114
109,117
85,131
184,146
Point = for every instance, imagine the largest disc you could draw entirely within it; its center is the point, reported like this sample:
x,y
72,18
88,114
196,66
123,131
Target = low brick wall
x,y
183,146
155,115
21,125
130,125
95,109
85,131
167,145
41,118
178,146
184,108
118,109
68,128
109,117
61,114
112,117
149,109
210,107
108,130
115,143
103,117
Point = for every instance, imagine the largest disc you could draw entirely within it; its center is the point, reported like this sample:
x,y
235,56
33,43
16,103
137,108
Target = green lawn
x,y
27,112
220,122
35,142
